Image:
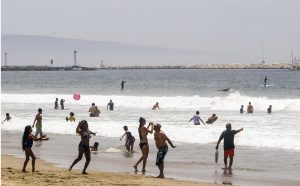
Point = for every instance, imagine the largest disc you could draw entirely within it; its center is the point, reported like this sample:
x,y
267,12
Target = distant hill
x,y
39,50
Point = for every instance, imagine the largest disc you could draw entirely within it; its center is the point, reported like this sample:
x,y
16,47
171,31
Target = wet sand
x,y
48,174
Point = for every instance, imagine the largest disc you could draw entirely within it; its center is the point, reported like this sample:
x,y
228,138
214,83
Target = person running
x,y
212,119
161,143
27,141
242,109
143,132
84,147
197,119
129,140
56,104
250,108
122,85
71,118
110,105
62,104
7,118
269,110
156,106
38,123
228,136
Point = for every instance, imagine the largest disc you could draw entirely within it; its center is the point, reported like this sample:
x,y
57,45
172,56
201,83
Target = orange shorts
x,y
229,152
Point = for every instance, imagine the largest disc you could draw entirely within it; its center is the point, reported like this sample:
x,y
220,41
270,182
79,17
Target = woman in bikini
x,y
143,132
84,146
27,142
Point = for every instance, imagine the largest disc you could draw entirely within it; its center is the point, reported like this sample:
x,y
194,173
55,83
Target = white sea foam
x,y
231,102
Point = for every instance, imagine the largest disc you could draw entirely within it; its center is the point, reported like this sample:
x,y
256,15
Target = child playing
x,y
27,142
71,118
129,140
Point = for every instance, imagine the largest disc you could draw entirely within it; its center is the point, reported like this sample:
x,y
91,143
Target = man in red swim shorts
x,y
228,136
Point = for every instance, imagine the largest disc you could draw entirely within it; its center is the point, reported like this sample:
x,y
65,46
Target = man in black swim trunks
x,y
228,136
161,144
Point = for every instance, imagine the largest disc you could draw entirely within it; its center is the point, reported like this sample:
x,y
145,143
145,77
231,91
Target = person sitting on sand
x,y
7,118
228,136
156,106
129,140
197,119
143,132
94,147
27,141
161,143
212,119
38,123
71,118
242,109
94,111
84,147
269,109
250,108
56,104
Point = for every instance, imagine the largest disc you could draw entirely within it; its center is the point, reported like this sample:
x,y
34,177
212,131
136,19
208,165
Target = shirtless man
x,y
250,108
212,119
38,123
7,118
161,143
156,106
94,112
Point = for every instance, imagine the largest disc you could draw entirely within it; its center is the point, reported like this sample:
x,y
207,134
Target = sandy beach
x,y
48,174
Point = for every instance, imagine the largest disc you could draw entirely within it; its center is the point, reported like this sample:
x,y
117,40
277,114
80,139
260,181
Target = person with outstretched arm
x,y
197,119
228,136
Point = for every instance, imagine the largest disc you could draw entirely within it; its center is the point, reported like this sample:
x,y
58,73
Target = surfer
x,y
225,90
122,85
7,118
144,146
38,123
197,119
228,136
62,104
212,119
110,105
250,108
266,78
56,104
156,106
269,109
71,118
27,141
161,143
129,139
242,109
84,147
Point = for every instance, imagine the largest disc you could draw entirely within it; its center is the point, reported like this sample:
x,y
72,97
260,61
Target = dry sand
x,y
48,174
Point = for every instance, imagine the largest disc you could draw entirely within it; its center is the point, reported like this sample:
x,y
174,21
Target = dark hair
x,y
25,135
39,110
125,127
197,112
71,113
93,104
214,114
7,114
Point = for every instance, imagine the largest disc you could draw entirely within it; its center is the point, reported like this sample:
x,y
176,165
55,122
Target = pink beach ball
x,y
76,96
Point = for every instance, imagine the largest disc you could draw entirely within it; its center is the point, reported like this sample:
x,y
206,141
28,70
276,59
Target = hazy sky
x,y
233,27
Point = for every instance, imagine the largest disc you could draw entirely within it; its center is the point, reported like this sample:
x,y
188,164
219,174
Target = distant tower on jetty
x,y
263,55
75,52
5,59
51,62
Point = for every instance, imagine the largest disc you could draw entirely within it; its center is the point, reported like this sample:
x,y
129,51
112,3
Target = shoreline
x,y
48,174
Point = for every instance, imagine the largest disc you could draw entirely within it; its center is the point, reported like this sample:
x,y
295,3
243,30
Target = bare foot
x,y
143,172
70,169
24,171
160,176
84,173
135,169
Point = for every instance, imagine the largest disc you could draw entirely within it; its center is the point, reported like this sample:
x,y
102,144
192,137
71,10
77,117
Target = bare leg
x,y
230,163
161,171
145,152
87,154
26,161
137,163
225,162
80,154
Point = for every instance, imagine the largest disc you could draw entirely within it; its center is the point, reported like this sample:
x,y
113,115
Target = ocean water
x,y
179,92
